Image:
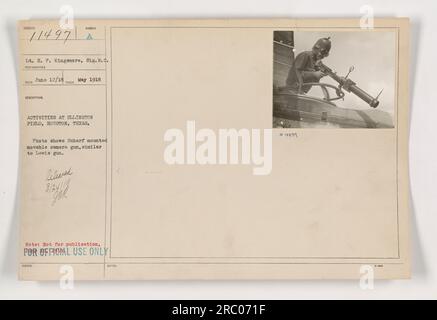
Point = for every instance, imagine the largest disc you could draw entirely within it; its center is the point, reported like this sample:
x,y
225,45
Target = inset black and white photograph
x,y
338,79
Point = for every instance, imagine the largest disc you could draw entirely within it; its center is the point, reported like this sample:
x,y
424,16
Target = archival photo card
x,y
214,149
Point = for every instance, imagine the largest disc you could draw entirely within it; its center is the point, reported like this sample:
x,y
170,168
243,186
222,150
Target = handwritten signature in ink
x,y
58,184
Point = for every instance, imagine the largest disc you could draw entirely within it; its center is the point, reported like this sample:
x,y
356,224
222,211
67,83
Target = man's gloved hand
x,y
319,74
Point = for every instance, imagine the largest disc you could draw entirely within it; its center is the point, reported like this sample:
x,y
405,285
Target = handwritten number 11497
x,y
51,35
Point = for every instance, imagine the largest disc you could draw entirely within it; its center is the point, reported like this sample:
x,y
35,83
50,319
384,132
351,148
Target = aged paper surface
x,y
197,149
